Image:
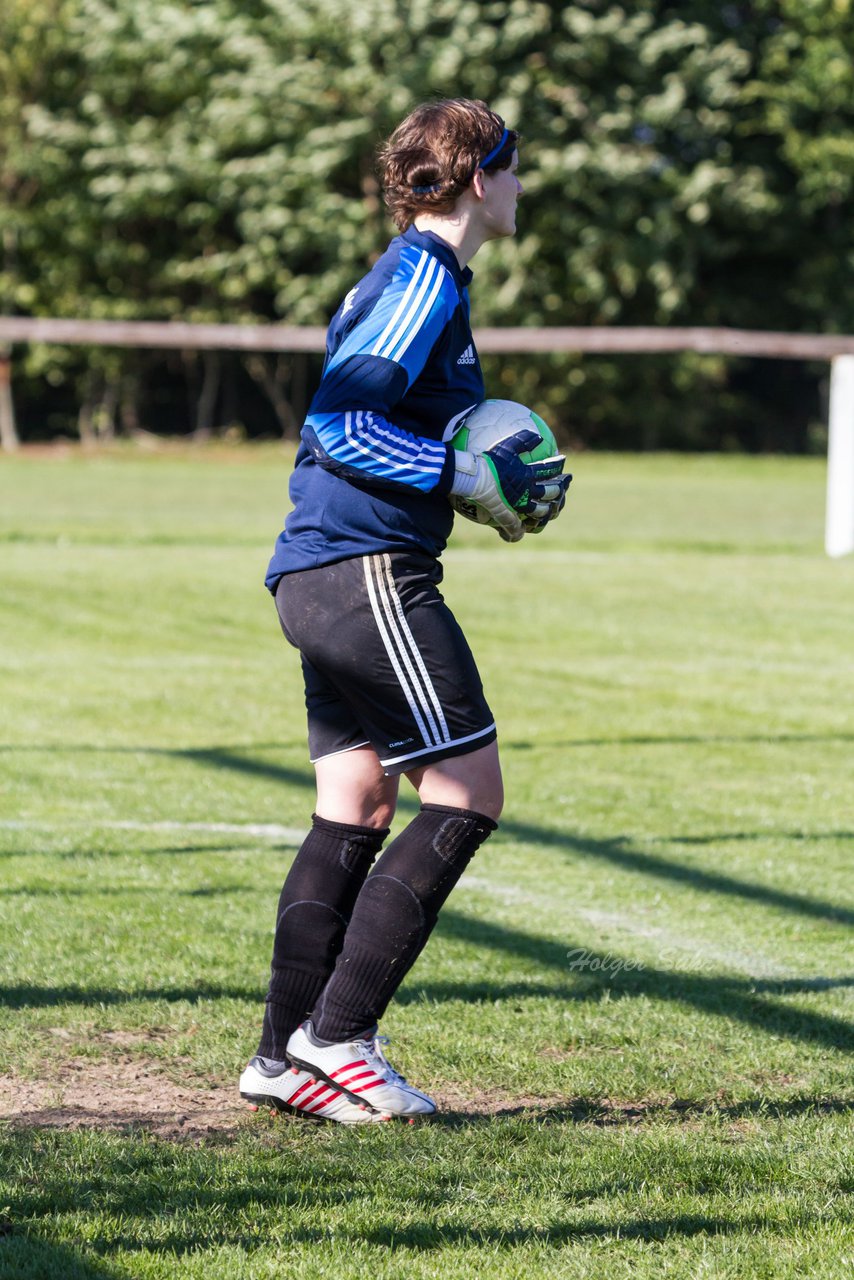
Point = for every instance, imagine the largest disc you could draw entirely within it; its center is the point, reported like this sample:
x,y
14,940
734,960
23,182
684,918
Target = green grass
x,y
637,1005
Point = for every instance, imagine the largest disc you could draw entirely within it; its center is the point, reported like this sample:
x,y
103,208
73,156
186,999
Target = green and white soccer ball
x,y
487,424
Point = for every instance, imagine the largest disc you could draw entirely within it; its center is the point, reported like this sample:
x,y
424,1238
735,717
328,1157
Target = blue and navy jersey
x,y
372,472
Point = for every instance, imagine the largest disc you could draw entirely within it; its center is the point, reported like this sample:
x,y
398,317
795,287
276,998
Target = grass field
x,y
636,1010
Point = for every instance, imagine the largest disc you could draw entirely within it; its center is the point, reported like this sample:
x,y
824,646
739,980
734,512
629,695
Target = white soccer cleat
x,y
359,1069
301,1093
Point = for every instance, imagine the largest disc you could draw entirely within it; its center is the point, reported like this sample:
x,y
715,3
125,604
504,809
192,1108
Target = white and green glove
x,y
519,496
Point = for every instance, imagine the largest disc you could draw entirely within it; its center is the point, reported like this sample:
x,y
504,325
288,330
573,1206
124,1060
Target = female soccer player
x,y
391,685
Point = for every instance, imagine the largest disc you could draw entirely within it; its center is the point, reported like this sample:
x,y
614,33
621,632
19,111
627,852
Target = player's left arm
x,y
351,432
350,428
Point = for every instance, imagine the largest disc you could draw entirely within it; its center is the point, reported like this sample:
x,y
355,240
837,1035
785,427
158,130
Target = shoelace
x,y
378,1060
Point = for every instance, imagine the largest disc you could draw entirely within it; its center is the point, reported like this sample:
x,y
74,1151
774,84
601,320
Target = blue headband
x,y
488,159
496,151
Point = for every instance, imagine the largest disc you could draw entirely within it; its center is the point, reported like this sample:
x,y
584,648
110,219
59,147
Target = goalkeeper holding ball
x,y
391,684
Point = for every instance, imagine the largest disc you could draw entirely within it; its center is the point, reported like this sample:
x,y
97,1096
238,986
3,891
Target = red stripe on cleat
x,y
299,1093
348,1066
361,1075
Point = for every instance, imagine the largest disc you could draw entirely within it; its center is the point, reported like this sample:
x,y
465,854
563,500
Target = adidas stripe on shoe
x,y
359,1069
301,1093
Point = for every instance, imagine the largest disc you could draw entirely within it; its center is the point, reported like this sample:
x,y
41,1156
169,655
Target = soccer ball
x,y
487,424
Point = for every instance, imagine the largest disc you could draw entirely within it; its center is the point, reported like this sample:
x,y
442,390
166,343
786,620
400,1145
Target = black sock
x,y
314,909
394,915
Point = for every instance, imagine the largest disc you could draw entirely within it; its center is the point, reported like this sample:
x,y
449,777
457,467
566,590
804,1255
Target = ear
x,y
477,184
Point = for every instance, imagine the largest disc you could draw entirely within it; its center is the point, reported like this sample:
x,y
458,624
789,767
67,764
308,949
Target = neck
x,y
457,231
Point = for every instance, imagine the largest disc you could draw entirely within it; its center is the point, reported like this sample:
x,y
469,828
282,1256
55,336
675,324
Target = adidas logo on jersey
x,y
468,356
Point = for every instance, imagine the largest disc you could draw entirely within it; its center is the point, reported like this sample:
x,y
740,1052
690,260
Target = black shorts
x,y
385,661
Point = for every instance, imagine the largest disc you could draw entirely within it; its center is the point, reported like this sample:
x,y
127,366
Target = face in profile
x,y
501,190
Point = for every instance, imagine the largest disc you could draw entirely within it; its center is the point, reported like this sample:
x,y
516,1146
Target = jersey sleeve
x,y
350,427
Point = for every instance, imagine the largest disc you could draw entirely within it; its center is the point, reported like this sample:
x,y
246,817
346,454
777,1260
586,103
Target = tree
x,y
215,160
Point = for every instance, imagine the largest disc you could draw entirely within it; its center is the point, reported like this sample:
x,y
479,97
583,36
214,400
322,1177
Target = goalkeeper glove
x,y
505,486
551,509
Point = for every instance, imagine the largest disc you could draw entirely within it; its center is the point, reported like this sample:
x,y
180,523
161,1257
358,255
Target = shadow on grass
x,y
423,1236
236,759
81,854
687,740
624,978
429,1236
606,1114
26,1257
28,996
131,891
167,1199
619,852
734,837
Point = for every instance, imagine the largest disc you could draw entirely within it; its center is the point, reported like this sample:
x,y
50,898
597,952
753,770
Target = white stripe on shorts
x,y
452,742
403,653
416,653
391,651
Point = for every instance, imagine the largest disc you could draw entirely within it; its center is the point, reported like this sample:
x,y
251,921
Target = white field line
x,y
260,830
695,952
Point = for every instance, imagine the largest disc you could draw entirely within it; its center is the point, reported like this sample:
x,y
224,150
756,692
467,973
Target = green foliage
x,y
805,92
684,164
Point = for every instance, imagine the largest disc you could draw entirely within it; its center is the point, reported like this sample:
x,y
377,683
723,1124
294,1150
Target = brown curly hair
x,y
435,152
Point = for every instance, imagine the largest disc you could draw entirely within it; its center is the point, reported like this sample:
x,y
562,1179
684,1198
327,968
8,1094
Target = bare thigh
x,y
352,787
471,781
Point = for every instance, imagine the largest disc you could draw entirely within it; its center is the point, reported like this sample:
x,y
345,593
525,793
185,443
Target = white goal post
x,y
839,522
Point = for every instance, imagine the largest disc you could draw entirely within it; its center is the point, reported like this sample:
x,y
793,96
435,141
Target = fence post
x,y
8,432
839,526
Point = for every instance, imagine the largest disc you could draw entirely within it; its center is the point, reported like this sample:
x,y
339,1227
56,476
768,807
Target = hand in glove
x,y
509,489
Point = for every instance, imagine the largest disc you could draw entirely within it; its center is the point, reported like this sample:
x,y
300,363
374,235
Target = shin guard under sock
x,y
314,909
394,915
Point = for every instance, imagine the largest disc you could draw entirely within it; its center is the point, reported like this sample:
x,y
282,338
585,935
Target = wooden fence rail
x,y
592,341
839,349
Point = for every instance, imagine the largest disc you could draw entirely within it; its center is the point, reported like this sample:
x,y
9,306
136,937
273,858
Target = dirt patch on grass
x,y
128,1091
121,1094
